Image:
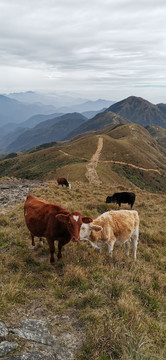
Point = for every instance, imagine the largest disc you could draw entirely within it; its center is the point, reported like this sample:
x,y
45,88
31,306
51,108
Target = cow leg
x,y
40,241
110,247
127,247
59,255
95,247
52,250
135,242
33,242
61,243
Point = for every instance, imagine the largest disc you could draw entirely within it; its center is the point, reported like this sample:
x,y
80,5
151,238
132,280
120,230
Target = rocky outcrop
x,y
13,190
44,345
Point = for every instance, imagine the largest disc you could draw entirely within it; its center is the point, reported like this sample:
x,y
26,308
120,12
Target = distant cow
x,y
62,181
122,197
44,219
112,227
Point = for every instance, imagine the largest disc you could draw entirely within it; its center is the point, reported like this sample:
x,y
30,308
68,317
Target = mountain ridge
x,y
139,110
124,158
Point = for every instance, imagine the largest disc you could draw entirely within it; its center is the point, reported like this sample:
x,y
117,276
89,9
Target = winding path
x,y
91,173
131,165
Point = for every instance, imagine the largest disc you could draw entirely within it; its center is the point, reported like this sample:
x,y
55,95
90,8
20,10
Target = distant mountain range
x,y
55,99
47,131
13,111
19,107
44,128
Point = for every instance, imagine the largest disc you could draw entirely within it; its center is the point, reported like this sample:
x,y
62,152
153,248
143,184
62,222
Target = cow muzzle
x,y
76,239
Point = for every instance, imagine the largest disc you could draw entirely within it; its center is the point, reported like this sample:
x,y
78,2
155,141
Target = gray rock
x,y
6,347
32,355
35,330
3,329
12,191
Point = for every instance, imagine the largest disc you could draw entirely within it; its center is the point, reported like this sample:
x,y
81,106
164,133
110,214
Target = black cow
x,y
123,197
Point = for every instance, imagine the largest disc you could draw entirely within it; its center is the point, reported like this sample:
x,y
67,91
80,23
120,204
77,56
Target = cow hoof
x,y
32,247
41,243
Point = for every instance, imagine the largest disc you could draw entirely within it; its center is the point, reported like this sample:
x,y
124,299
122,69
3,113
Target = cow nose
x,y
76,239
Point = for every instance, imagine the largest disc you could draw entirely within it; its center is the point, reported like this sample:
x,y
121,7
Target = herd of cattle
x,y
45,219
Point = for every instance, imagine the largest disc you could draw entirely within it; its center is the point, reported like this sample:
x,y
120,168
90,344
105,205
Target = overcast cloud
x,y
96,49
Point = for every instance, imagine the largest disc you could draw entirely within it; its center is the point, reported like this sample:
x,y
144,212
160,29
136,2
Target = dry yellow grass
x,y
119,304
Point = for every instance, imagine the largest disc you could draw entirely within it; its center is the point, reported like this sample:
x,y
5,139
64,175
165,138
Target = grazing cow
x,y
122,197
62,181
113,227
44,219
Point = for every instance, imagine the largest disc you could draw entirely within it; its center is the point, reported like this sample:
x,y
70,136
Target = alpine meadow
x,y
88,305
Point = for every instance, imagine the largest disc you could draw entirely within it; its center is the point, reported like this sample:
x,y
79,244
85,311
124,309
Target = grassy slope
x,y
128,143
118,305
159,134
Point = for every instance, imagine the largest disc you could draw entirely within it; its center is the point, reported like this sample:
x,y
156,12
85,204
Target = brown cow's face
x,y
75,222
72,223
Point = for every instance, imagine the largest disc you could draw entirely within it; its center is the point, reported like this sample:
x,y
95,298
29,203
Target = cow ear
x,y
96,227
62,217
86,219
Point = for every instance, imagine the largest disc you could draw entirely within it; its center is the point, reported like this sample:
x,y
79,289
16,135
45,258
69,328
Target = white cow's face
x,y
85,231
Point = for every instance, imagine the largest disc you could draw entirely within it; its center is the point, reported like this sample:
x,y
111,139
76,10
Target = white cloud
x,y
101,48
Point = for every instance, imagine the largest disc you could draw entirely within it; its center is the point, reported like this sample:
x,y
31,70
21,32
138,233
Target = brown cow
x,y
62,181
44,219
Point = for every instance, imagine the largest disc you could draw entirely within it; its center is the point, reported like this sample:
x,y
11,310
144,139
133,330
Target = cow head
x,y
72,223
88,231
109,199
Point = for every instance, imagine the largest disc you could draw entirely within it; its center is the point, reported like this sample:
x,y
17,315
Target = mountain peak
x,y
139,110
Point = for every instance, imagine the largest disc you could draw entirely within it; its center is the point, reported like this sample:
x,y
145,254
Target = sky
x,y
108,49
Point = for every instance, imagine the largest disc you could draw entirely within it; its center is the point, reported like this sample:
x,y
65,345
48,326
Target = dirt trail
x,y
132,165
91,173
63,152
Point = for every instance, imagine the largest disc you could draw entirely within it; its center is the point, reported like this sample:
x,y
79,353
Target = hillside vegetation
x,y
116,306
129,155
158,133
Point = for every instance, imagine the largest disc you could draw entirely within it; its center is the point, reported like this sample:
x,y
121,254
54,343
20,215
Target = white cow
x,y
112,227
